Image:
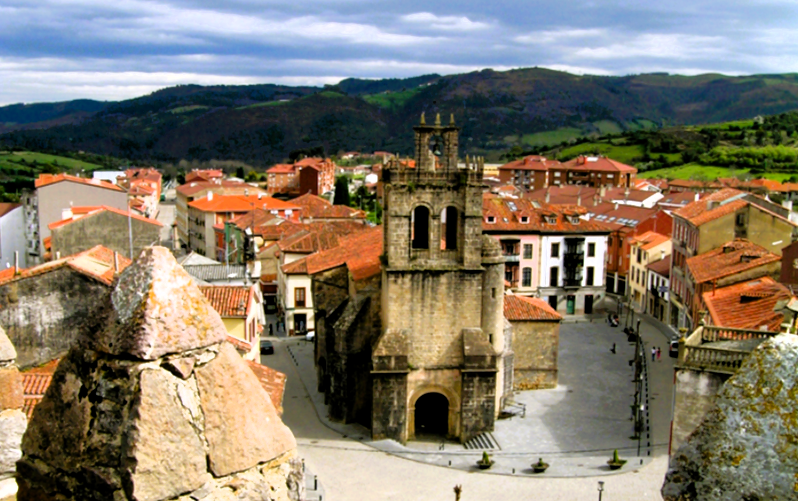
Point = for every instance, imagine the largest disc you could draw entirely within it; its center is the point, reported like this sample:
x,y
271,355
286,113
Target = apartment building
x,y
643,250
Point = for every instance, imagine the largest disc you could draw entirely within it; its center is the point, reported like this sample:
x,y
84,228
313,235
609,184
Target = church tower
x,y
437,367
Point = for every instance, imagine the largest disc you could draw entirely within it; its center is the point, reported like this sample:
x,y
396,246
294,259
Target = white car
x,y
309,336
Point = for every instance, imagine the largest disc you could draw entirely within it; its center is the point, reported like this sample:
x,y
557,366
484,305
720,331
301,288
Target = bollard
x,y
641,461
303,465
315,482
513,471
450,462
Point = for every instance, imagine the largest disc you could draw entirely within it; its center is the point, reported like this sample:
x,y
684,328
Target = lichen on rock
x,y
747,446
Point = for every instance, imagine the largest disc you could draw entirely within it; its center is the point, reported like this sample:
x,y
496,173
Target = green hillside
x,y
519,110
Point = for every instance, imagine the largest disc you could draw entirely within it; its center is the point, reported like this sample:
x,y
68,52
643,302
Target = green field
x,y
266,103
42,158
623,154
391,100
707,172
550,137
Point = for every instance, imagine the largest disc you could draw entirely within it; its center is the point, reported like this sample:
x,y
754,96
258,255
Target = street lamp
x,y
600,488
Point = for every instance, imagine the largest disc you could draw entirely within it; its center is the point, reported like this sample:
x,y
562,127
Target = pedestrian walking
x,y
653,353
271,329
659,353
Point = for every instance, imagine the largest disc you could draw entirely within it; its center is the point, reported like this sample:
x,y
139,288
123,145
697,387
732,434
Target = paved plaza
x,y
574,427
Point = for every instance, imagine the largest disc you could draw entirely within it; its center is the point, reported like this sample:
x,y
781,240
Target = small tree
x,y
341,191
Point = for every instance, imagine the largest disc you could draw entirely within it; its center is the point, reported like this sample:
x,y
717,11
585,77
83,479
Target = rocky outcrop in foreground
x,y
12,419
157,406
747,446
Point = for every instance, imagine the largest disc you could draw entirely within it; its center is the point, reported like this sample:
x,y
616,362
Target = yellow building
x,y
241,309
643,250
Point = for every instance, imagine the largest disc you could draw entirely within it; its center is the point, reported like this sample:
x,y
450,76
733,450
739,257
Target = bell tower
x,y
435,367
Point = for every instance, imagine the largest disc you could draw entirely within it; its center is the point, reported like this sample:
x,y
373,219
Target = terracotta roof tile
x,y
240,203
218,186
319,208
747,305
48,179
281,169
80,212
598,164
360,253
35,382
523,308
272,381
229,300
522,215
319,236
661,266
649,240
732,258
97,263
713,206
531,162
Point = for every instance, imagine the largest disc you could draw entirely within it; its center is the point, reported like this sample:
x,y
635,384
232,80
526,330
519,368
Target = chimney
x,y
57,255
616,205
626,194
697,196
246,192
603,191
260,195
787,204
210,195
116,263
579,199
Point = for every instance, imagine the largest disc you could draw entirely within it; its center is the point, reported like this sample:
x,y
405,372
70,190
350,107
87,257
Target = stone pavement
x,y
574,427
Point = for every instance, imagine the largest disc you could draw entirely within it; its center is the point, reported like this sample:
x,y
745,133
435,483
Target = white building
x,y
13,249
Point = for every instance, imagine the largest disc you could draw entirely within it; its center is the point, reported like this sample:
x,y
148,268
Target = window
x,y
449,223
553,302
555,250
420,226
491,219
589,278
527,251
299,297
639,254
554,276
526,277
591,250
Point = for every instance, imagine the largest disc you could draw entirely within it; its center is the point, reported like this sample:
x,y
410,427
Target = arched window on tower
x,y
420,228
449,224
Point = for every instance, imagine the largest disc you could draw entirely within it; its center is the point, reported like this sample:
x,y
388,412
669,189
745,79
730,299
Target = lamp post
x,y
600,488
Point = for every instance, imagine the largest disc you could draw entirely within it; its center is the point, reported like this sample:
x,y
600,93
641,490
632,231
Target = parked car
x,y
309,336
673,348
266,347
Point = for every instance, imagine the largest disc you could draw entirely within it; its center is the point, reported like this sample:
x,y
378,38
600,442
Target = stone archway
x,y
431,415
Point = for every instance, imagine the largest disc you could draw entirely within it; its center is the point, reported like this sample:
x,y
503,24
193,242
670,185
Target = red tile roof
x,y
6,207
272,381
240,203
97,263
712,206
254,219
35,382
281,169
319,236
360,253
661,266
501,214
48,179
747,305
319,208
220,186
81,212
730,259
598,164
531,162
523,308
649,240
229,300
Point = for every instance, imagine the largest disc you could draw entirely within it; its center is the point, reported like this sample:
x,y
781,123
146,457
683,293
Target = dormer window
x,y
524,219
551,219
574,219
491,219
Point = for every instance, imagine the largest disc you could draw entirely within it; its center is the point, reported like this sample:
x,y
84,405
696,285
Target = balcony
x,y
571,282
718,349
512,258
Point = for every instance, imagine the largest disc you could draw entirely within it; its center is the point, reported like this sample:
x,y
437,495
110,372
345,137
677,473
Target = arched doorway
x,y
432,415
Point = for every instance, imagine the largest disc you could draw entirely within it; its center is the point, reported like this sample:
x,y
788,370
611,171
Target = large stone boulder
x,y
12,419
747,446
157,406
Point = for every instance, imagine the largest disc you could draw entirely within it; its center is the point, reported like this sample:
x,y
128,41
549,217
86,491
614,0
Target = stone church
x,y
424,349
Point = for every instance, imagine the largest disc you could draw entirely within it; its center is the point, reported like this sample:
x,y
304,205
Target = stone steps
x,y
483,441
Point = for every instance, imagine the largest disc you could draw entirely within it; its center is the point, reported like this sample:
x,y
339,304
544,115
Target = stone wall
x,y
435,307
106,228
12,418
479,403
536,349
43,315
694,394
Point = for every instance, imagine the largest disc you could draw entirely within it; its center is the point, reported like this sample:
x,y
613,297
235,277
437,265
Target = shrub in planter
x,y
540,466
486,462
616,463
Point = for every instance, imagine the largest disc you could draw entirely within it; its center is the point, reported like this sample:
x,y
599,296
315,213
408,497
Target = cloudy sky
x,y
53,50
